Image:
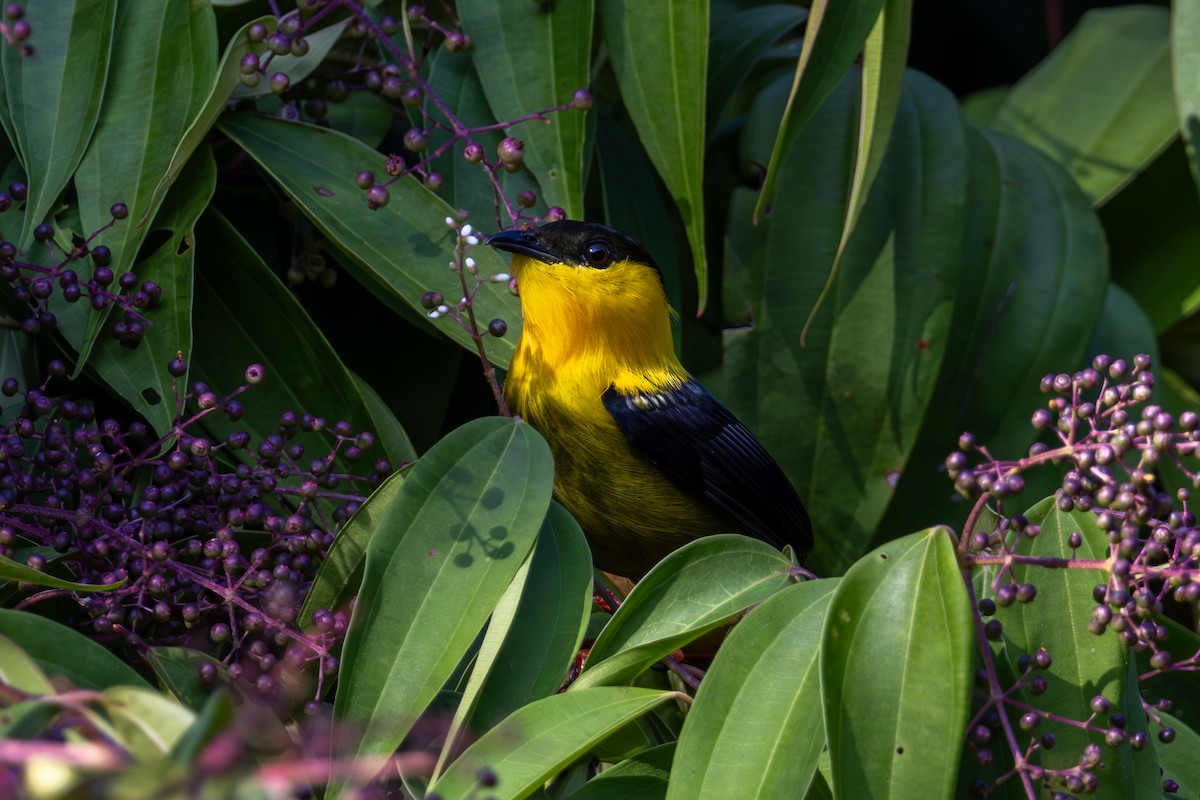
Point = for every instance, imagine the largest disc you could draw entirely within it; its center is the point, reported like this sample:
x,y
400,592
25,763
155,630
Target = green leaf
x,y
842,419
467,515
541,738
178,670
548,621
700,587
262,322
340,574
140,375
63,652
1123,327
833,37
53,96
737,40
642,776
20,671
12,571
1084,665
755,728
1185,63
164,58
896,670
1178,759
659,52
1033,247
1100,104
554,43
365,116
149,723
884,56
402,247
297,68
385,426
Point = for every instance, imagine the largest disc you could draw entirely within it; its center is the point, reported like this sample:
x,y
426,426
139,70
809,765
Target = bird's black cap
x,y
572,242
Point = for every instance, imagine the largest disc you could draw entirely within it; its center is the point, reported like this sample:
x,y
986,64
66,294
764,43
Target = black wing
x,y
700,445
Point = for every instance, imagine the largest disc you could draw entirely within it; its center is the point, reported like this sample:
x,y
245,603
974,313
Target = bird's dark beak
x,y
524,242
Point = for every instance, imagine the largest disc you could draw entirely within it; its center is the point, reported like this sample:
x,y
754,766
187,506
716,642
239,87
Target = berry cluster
x,y
215,541
1119,450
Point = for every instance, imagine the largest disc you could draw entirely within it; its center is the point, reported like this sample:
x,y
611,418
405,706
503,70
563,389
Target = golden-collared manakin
x,y
644,457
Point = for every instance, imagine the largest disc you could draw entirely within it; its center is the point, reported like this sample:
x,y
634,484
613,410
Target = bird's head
x,y
588,279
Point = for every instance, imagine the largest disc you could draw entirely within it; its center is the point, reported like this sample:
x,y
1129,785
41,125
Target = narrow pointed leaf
x,y
178,671
896,670
20,671
833,38
737,39
403,247
297,68
756,725
642,776
542,738
467,515
554,42
659,52
1101,102
1185,63
63,652
701,586
148,722
164,59
13,571
54,95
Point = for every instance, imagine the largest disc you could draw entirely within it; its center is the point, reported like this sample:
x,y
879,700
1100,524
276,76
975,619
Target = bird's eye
x,y
597,255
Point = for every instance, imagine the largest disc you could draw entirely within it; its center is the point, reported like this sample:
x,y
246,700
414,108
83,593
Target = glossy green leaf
x,y
896,670
1084,665
178,670
554,43
260,321
1101,103
140,375
884,55
736,41
1033,247
297,68
385,426
53,97
227,78
169,48
700,587
13,571
833,37
1185,66
467,515
148,722
63,652
659,53
842,418
756,726
547,623
403,247
543,737
341,571
1123,329
642,776
20,671
363,115
1178,759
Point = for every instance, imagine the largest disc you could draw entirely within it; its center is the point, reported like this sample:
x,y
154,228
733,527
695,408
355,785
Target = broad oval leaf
x,y
467,515
542,738
401,248
1101,102
756,726
896,670
701,586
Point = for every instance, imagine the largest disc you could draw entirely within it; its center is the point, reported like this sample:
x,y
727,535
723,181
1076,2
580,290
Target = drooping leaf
x,y
555,43
403,247
659,53
756,725
1100,104
466,517
53,95
13,571
737,38
896,670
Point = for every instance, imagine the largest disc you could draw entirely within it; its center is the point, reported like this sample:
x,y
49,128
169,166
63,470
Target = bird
x,y
645,458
